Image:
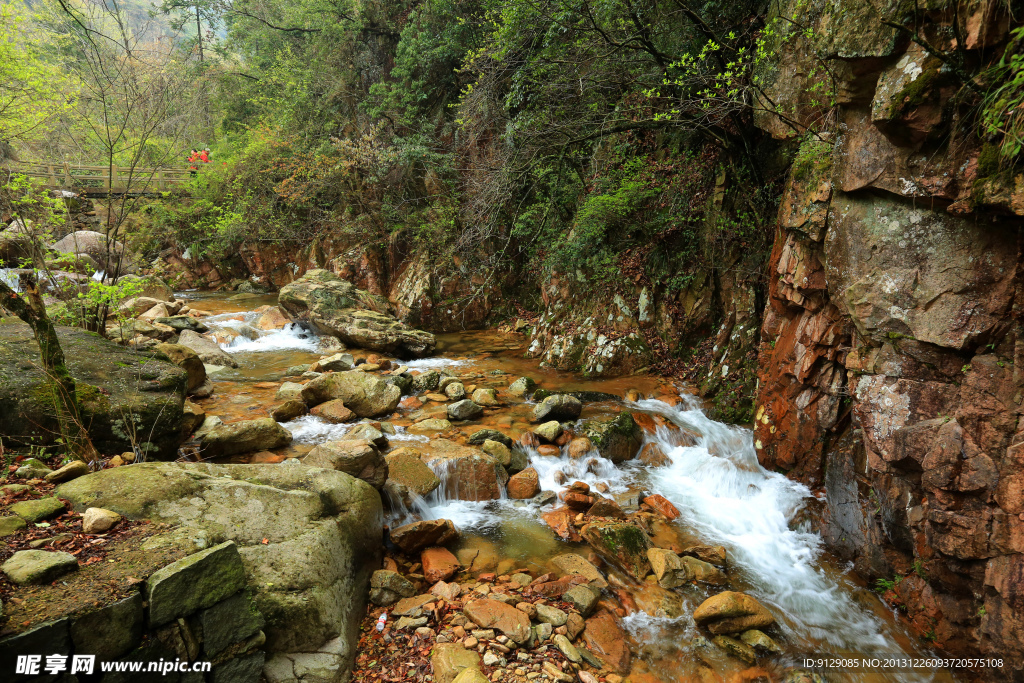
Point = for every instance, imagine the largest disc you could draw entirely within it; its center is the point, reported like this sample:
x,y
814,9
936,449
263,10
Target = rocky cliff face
x,y
890,356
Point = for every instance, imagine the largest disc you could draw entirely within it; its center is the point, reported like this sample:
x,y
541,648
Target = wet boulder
x,y
356,457
522,387
732,612
524,485
617,439
335,307
471,474
560,407
409,476
479,436
333,411
623,544
465,410
247,436
607,641
365,395
427,381
412,538
673,571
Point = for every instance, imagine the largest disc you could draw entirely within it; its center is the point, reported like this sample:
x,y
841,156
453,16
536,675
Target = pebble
x,y
469,643
483,634
556,673
567,649
425,632
492,659
522,579
410,622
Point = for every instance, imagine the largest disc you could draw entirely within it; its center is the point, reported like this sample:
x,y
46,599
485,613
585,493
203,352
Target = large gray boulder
x,y
364,394
106,254
335,307
247,436
206,349
122,392
308,540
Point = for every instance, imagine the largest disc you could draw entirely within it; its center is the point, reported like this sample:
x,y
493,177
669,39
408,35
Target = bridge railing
x,y
103,179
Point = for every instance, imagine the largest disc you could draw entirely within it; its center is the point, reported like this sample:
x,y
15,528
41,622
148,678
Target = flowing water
x,y
724,496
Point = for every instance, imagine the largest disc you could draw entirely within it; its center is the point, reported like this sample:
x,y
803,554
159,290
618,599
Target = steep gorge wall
x,y
891,350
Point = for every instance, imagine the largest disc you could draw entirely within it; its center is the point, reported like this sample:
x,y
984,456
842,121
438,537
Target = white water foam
x,y
293,337
9,277
725,496
431,363
312,429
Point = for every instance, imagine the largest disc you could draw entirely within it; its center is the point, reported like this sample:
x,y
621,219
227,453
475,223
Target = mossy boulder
x,y
624,544
617,439
125,396
365,395
308,538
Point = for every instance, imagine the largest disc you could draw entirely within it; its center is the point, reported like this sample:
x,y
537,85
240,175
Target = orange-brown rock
x,y
560,520
732,612
606,639
334,412
414,537
662,505
487,613
529,439
410,403
577,501
652,456
524,485
606,507
579,447
438,564
547,449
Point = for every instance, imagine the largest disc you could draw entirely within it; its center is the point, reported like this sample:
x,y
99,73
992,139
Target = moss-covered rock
x,y
617,439
624,544
195,582
127,398
308,538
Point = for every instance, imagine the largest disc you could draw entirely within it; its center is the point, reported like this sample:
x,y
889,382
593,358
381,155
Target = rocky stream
x,y
440,509
539,525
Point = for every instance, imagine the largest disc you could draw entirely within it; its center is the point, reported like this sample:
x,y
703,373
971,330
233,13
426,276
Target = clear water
x,y
725,498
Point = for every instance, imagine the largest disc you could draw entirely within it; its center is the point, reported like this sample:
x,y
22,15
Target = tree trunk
x,y
32,311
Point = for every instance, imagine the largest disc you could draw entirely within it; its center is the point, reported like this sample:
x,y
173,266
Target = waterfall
x,y
727,498
9,276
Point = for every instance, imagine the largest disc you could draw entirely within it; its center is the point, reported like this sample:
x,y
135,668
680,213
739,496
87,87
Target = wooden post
x,y
113,178
51,175
67,175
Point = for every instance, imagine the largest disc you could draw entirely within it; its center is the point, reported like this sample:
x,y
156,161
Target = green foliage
x,y
1002,109
33,89
883,585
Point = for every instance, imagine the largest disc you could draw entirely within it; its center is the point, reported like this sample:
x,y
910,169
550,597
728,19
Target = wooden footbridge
x,y
101,181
